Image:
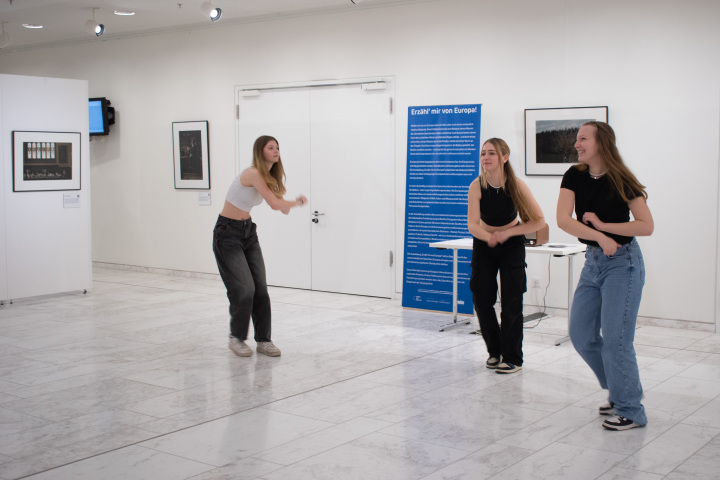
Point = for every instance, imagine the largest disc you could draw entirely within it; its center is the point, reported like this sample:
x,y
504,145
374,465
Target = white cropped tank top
x,y
243,197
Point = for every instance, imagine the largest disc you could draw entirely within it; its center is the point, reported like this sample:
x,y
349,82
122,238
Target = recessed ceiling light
x,y
31,25
124,12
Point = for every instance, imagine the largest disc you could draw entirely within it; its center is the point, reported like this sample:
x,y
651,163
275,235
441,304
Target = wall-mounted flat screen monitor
x,y
99,120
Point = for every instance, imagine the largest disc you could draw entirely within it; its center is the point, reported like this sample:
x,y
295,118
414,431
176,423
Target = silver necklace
x,y
596,176
497,189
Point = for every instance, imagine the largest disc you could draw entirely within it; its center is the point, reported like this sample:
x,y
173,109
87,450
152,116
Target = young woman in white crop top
x,y
237,250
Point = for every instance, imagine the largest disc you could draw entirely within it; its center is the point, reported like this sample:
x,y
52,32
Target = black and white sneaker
x,y
607,408
619,423
507,368
492,362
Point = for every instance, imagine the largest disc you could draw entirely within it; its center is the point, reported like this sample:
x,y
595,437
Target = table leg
x,y
570,297
454,295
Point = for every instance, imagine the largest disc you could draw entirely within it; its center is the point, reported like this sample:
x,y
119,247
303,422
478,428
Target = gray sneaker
x,y
239,348
267,348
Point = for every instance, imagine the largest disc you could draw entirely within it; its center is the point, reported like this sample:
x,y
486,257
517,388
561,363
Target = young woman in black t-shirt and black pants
x,y
603,192
495,201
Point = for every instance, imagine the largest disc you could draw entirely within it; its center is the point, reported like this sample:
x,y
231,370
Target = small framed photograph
x,y
550,135
191,155
45,161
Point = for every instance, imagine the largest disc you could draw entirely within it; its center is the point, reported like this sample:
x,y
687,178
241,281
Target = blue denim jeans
x,y
242,269
607,300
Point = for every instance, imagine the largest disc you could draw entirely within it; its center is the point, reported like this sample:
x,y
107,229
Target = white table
x,y
554,249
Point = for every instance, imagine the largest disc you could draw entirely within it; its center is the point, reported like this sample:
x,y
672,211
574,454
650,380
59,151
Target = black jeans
x,y
242,269
509,258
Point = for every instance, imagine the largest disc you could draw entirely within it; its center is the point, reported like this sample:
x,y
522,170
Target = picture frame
x,y
45,161
550,135
191,155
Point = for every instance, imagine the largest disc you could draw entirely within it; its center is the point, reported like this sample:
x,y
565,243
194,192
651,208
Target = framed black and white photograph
x,y
191,156
550,135
45,161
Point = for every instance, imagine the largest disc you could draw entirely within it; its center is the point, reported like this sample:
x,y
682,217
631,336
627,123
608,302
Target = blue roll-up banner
x,y
443,159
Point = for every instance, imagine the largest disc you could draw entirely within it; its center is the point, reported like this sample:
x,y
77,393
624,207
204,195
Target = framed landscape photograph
x,y
191,156
550,135
45,161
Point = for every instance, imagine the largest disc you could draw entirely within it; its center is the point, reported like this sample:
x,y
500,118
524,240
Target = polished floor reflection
x,y
134,381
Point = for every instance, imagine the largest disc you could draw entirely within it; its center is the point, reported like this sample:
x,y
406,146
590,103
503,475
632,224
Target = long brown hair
x,y
620,176
275,177
510,182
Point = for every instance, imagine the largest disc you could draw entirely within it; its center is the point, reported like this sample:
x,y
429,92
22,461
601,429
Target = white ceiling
x,y
64,20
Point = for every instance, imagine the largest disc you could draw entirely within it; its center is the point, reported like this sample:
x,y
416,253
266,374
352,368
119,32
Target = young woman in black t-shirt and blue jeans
x,y
495,201
603,192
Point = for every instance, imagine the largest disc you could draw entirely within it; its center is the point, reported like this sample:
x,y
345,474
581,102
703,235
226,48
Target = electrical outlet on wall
x,y
535,282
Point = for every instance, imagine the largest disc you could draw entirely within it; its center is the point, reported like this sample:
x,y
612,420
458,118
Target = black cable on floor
x,y
544,299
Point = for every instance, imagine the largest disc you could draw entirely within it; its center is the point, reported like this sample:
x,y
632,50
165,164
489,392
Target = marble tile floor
x,y
134,381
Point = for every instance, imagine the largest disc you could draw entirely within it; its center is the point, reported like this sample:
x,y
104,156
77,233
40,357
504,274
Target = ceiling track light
x,y
212,12
91,26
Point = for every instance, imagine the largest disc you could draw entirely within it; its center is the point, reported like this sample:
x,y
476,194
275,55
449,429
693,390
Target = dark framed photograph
x,y
45,161
191,155
550,135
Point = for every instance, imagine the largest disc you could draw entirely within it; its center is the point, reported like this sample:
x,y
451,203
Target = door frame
x,y
256,89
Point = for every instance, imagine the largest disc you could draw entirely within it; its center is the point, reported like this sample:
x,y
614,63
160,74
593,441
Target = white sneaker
x,y
267,348
492,362
505,367
620,423
239,348
607,408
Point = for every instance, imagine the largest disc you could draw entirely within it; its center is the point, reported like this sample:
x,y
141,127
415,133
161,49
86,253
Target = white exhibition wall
x,y
652,62
45,247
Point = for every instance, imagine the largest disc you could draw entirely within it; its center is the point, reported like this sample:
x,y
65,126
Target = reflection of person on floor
x,y
237,251
495,201
603,192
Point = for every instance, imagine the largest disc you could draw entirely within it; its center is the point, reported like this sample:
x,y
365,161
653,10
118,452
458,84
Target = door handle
x,y
317,214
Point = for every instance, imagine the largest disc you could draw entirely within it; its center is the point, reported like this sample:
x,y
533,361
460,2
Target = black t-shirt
x,y
599,197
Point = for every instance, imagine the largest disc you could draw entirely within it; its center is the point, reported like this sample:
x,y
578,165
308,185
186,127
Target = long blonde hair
x,y
510,182
275,177
619,174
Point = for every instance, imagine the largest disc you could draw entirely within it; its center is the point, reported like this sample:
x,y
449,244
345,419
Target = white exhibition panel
x,y
5,150
47,246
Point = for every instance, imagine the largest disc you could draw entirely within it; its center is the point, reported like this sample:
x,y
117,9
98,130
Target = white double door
x,y
336,144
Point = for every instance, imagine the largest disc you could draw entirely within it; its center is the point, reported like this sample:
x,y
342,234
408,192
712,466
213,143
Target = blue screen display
x,y
97,121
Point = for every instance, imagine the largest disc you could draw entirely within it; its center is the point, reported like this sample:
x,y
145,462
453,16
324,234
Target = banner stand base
x,y
454,324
